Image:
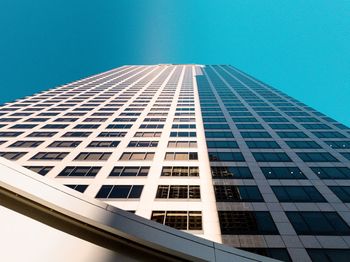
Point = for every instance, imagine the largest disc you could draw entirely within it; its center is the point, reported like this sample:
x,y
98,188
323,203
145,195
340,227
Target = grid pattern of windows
x,y
282,141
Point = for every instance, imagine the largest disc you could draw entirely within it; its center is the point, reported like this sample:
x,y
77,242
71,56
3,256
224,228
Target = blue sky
x,y
299,47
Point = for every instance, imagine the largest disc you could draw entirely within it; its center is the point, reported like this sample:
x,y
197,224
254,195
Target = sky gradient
x,y
300,47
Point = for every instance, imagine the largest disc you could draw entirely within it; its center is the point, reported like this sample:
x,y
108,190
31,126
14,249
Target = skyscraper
x,y
205,149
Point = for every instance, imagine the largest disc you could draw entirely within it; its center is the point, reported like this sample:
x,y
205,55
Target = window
x,y
92,156
130,114
182,144
317,157
120,191
328,134
12,155
86,126
180,171
340,126
154,119
183,134
346,155
95,119
216,126
147,134
342,192
297,113
302,144
218,134
119,126
212,119
249,126
182,220
271,157
64,144
22,114
50,156
305,119
244,119
247,223
143,144
137,156
178,192
329,255
112,134
184,119
338,144
292,134
297,194
181,156
9,119
226,156
151,126
54,126
283,126
80,171
222,144
262,144
255,135
102,114
240,113
129,171
275,119
124,119
282,173
315,126
36,119
41,170
212,113
332,172
76,134
79,188
42,134
23,126
318,223
229,193
103,144
10,134
231,172
67,114
183,126
26,144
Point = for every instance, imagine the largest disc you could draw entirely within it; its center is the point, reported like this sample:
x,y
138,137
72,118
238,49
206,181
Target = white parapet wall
x,y
42,220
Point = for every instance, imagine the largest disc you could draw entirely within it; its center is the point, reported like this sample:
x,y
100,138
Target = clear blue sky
x,y
301,47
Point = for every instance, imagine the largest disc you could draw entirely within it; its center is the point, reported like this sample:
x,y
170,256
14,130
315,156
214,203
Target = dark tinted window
x,y
297,194
246,223
318,223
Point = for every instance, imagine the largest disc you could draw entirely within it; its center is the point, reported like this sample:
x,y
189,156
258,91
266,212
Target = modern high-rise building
x,y
205,149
